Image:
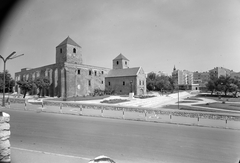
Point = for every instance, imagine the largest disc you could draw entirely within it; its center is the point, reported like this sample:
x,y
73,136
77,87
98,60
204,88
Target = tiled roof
x,y
120,56
69,41
123,72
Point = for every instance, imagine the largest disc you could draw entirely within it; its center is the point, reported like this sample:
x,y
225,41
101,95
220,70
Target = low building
x,y
124,80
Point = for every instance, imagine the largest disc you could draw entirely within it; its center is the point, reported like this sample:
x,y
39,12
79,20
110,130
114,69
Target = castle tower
x,y
120,62
68,51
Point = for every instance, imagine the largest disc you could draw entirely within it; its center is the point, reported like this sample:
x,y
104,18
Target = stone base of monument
x,y
4,138
131,96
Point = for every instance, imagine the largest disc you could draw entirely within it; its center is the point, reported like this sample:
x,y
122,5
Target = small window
x,y
125,62
74,50
79,72
109,83
102,82
90,72
102,72
123,82
117,62
95,73
61,50
89,82
139,82
143,82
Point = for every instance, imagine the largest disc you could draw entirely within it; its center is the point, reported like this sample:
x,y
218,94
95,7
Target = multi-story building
x,y
68,76
220,71
201,78
184,79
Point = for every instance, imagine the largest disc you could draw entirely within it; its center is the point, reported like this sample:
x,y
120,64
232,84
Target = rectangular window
x,y
109,83
102,72
90,72
79,72
139,82
89,82
123,82
95,73
143,82
102,82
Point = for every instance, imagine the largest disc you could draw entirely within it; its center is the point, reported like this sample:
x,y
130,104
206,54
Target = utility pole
x,y
11,56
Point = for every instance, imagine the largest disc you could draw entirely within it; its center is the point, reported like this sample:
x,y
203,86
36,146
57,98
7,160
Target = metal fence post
x,y
25,105
226,121
145,112
60,108
81,110
42,105
102,111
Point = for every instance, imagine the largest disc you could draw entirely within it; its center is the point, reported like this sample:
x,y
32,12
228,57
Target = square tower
x,y
120,62
68,51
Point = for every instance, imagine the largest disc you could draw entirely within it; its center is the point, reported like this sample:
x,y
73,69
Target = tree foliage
x,y
9,82
42,83
159,82
224,84
26,86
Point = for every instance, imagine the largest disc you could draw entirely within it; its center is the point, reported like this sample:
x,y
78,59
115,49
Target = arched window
x,y
74,50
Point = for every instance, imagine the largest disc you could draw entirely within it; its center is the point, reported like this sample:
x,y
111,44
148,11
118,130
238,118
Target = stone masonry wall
x,y
4,138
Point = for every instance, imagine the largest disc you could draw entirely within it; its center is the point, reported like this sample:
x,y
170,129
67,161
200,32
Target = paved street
x,y
79,138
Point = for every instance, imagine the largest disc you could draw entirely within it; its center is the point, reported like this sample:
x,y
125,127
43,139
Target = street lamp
x,y
178,97
11,56
131,87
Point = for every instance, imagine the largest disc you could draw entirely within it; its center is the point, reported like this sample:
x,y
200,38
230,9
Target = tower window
x,y
61,50
117,62
74,50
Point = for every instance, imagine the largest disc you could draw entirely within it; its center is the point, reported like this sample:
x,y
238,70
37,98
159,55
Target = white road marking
x,y
49,153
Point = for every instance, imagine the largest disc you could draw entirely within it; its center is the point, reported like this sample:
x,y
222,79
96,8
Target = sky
x,y
194,35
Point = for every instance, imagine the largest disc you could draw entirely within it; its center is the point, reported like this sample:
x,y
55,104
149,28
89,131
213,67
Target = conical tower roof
x,y
69,41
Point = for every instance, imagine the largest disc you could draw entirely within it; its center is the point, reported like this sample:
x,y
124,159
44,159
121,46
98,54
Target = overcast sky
x,y
194,35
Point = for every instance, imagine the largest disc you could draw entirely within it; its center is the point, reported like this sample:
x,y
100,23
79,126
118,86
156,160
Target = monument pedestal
x,y
131,96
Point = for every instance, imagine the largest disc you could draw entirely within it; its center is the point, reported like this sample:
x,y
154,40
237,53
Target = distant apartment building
x,y
235,74
220,71
184,79
201,78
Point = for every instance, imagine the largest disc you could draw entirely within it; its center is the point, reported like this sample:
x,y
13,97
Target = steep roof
x,y
123,72
69,41
120,56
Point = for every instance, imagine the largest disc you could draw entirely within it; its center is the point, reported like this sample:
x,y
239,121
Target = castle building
x,y
124,80
69,77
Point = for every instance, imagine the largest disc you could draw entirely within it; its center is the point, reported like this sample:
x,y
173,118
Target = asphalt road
x,y
123,140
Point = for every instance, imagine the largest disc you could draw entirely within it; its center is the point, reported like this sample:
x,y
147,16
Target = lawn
x,y
219,98
219,105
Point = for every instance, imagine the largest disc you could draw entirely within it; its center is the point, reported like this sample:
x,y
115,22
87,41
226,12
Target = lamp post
x,y
11,56
130,86
178,97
